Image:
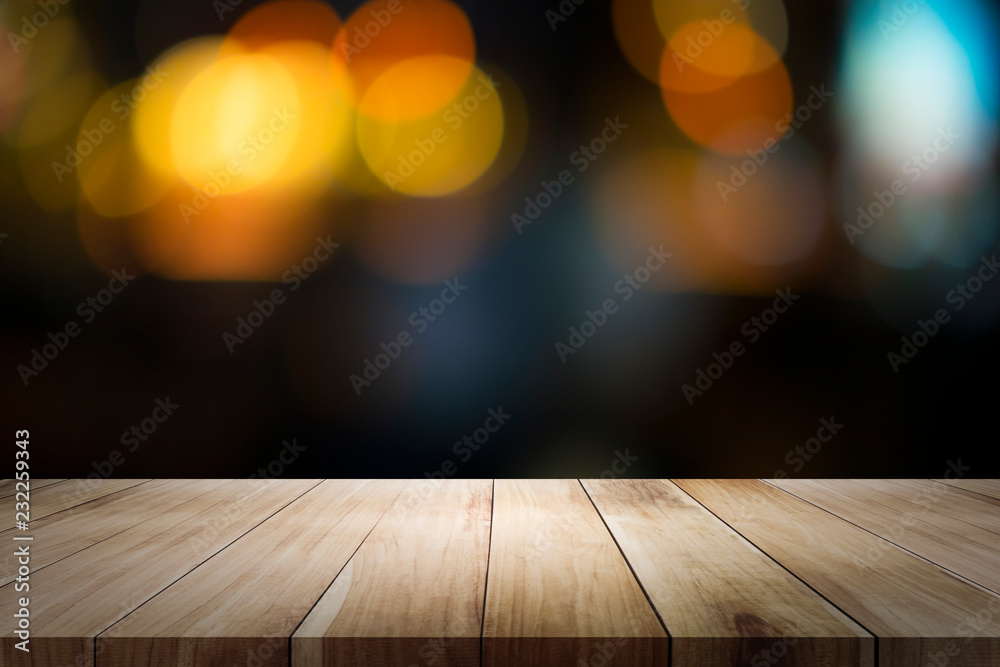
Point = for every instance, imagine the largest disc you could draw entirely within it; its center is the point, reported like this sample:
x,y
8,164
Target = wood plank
x,y
60,535
559,591
920,522
723,601
8,486
248,599
414,590
68,493
987,487
919,612
82,595
957,504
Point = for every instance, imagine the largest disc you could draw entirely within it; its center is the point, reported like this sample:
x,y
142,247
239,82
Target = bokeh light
x,y
436,155
49,153
735,52
320,151
236,123
776,214
206,147
714,15
744,243
918,116
57,109
153,115
516,125
244,236
113,176
207,163
718,65
638,36
283,21
738,117
52,53
901,85
406,60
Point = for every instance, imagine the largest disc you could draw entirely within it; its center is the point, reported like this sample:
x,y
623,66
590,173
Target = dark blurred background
x,y
618,404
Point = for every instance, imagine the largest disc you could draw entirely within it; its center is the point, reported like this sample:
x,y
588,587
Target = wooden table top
x,y
414,573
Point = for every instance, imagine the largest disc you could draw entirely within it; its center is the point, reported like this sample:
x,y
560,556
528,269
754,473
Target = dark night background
x,y
494,346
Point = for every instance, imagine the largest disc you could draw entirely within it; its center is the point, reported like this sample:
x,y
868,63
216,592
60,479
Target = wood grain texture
x,y
932,520
60,535
559,591
62,495
262,573
917,610
960,505
413,592
248,598
986,487
723,601
80,596
8,486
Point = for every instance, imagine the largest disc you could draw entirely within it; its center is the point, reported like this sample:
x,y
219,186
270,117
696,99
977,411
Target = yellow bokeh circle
x,y
236,123
438,154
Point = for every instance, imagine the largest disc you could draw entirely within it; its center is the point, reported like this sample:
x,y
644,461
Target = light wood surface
x,y
60,535
414,590
533,573
962,505
559,589
935,521
915,608
8,486
53,498
251,595
79,597
986,487
684,556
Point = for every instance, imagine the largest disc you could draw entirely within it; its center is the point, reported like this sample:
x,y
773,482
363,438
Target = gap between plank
x,y
486,579
670,640
955,491
962,488
875,661
235,540
938,565
86,502
14,493
89,546
385,509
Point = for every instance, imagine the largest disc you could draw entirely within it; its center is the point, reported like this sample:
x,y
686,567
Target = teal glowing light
x,y
911,68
